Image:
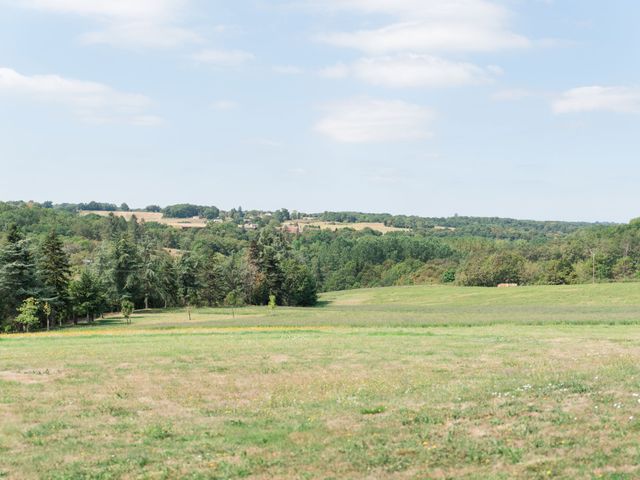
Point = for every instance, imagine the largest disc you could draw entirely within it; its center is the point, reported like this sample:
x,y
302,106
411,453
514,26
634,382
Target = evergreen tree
x,y
126,270
188,279
88,296
214,288
167,281
149,271
55,272
17,272
267,254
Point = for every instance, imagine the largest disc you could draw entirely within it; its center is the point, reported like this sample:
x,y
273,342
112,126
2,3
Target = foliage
x,y
27,318
126,308
85,265
187,210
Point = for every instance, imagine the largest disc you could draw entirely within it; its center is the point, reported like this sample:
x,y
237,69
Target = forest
x,y
59,266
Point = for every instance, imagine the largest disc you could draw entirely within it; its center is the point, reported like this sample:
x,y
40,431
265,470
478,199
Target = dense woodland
x,y
57,266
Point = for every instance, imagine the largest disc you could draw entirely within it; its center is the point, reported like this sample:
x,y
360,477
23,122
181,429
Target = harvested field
x,y
153,217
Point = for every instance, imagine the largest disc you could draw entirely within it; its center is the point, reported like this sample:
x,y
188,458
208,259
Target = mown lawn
x,y
418,382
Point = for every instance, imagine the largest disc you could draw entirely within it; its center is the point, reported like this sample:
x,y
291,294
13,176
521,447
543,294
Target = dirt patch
x,y
28,377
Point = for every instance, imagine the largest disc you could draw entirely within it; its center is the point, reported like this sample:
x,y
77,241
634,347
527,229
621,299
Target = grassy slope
x,y
536,382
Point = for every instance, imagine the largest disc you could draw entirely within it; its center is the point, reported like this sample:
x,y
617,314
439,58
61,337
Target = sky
x,y
511,108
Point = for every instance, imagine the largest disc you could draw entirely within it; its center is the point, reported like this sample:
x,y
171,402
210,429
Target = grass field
x,y
415,382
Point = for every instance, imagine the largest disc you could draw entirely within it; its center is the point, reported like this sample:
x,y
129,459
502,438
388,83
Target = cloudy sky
x,y
519,108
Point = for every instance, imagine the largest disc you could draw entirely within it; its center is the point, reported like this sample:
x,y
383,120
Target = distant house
x,y
250,226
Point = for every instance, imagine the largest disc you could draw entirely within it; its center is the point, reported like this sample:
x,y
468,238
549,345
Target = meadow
x,y
400,383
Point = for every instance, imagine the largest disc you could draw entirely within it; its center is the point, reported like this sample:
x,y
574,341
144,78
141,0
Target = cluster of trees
x,y
348,259
40,286
459,226
68,266
187,210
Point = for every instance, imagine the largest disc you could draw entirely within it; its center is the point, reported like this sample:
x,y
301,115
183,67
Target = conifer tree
x,y
17,272
55,273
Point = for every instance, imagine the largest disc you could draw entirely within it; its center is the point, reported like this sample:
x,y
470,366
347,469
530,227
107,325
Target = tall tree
x,y
88,296
214,287
55,272
267,254
126,270
167,281
17,272
188,279
149,270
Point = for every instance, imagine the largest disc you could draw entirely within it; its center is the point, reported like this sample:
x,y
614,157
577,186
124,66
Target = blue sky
x,y
520,108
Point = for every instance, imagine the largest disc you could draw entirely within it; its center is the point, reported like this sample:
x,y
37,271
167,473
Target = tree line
x,y
40,287
58,266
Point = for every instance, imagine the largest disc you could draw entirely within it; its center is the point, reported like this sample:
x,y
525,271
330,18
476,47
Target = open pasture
x,y
415,382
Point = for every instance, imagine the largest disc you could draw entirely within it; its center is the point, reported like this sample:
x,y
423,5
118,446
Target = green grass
x,y
415,382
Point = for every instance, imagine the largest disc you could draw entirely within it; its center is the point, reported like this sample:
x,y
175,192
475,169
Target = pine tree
x,y
188,279
168,281
88,296
55,273
126,269
149,271
214,288
17,272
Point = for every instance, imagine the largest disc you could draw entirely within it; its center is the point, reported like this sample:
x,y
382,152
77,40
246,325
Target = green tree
x,y
55,272
28,314
126,269
88,296
267,254
17,272
149,271
212,280
300,288
126,308
167,281
272,303
188,279
233,300
46,310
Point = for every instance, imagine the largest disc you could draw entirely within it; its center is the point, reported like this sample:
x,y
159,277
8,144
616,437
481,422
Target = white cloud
x,y
411,70
427,37
91,101
288,70
428,26
437,9
126,23
367,120
224,58
598,99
